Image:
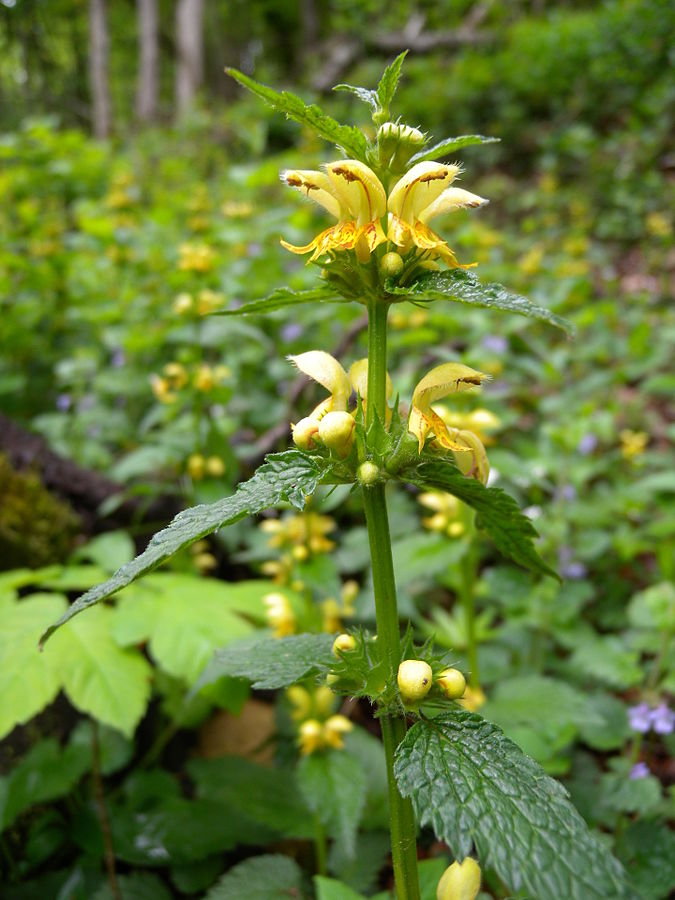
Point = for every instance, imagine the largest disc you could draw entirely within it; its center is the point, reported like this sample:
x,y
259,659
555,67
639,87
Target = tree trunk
x,y
190,46
98,67
147,89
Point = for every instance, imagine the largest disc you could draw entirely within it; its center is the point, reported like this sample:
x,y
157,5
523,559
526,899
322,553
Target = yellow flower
x,y
358,376
446,511
326,371
479,421
465,445
204,378
633,443
473,699
353,194
334,730
175,375
460,881
196,466
279,614
421,194
182,304
162,389
195,258
310,737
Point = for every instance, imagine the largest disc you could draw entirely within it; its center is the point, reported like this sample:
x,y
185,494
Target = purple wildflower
x,y
639,770
640,718
566,492
574,571
291,332
587,444
118,358
495,343
63,402
662,719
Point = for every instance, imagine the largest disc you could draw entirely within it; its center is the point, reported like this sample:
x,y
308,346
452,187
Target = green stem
x,y
401,815
468,578
320,846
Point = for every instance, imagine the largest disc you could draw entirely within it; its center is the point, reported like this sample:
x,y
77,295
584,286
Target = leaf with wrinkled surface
x,y
271,663
475,787
464,287
386,89
260,878
283,298
289,476
498,513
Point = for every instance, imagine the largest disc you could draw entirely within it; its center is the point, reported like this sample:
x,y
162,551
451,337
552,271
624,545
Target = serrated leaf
x,y
367,96
333,785
260,878
351,140
512,532
287,476
389,82
475,787
461,286
137,886
282,298
450,145
28,682
109,682
271,663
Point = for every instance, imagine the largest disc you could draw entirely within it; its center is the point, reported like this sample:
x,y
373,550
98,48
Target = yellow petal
x,y
449,378
358,189
328,372
473,461
451,199
358,375
419,188
316,186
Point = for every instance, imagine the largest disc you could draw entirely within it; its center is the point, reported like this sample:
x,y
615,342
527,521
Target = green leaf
x,y
474,786
283,297
461,286
607,659
287,476
271,662
450,145
333,785
109,682
28,681
349,139
331,889
389,82
498,513
369,97
137,886
46,773
654,607
647,849
260,878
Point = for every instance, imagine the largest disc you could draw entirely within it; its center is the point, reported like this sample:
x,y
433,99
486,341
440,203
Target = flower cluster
x,y
319,727
202,304
175,376
643,718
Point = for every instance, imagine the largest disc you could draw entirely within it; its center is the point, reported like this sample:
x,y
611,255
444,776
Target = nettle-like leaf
x,y
498,513
283,298
289,476
464,287
450,145
475,787
260,878
349,139
380,99
271,663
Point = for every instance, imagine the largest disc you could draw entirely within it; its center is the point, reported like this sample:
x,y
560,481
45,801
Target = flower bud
x,y
460,881
300,700
215,466
414,679
396,143
324,701
336,431
310,736
452,683
196,466
343,643
368,473
305,432
334,730
391,264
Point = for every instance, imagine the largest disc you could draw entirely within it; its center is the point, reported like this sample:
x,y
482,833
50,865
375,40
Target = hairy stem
x,y
401,815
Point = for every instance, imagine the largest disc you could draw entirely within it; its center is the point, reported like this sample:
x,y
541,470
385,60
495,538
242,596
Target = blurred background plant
x,y
114,253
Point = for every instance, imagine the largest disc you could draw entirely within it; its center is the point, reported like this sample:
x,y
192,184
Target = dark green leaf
x,y
282,298
475,787
351,140
287,476
271,662
137,886
196,877
512,532
449,145
333,785
647,849
389,82
260,878
464,287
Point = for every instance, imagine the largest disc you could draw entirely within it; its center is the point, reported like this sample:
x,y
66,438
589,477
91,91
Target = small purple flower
x,y
566,492
495,343
639,770
574,571
640,718
662,719
63,402
254,249
587,444
118,358
291,332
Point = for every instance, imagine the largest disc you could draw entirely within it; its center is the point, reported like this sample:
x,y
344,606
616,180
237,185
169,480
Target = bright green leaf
x,y
450,145
282,298
331,889
333,785
475,787
386,89
287,476
609,661
260,878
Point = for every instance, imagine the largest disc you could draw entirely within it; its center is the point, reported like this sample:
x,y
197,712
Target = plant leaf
x,y
449,145
389,82
464,287
333,785
498,513
287,476
349,139
332,889
282,298
271,662
474,786
367,96
260,878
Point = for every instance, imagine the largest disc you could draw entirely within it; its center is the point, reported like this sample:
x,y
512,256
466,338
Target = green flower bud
x,y
391,264
414,680
336,431
396,143
368,473
343,643
452,683
460,881
305,432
